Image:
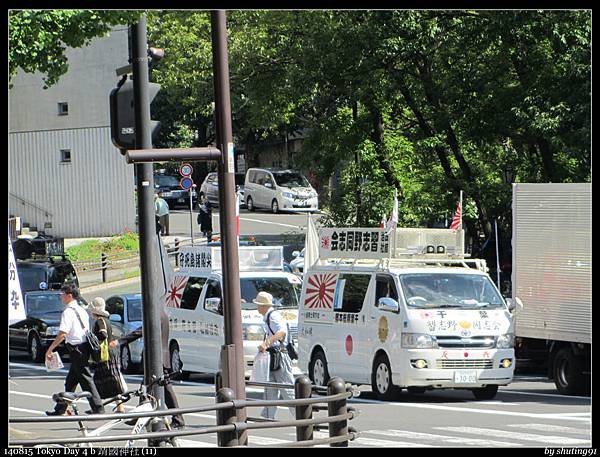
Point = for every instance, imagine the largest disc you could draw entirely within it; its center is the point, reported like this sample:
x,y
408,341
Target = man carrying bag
x,y
275,342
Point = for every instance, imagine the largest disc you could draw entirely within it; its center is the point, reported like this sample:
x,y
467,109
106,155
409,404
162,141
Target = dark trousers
x,y
79,373
171,399
164,222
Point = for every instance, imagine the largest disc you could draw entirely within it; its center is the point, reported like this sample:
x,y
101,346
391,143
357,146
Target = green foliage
x,y
92,249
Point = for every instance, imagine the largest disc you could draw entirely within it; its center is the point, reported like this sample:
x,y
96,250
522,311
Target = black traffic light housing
x,y
122,115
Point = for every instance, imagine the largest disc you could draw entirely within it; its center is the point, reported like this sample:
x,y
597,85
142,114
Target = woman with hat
x,y
107,375
275,342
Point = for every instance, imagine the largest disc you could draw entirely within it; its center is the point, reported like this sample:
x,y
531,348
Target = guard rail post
x,y
303,388
176,252
225,417
104,261
336,408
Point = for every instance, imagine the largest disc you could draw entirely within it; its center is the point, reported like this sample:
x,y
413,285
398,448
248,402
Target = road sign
x,y
185,170
186,183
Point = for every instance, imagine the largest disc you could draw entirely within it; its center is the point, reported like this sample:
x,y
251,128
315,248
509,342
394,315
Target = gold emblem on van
x,y
465,324
382,331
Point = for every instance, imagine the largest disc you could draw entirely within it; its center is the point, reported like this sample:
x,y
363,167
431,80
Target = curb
x,y
106,285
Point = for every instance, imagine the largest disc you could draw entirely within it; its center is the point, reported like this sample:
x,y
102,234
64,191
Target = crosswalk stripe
x,y
547,439
462,441
551,428
363,441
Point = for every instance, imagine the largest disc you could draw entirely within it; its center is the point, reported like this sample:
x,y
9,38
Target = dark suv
x,y
173,194
45,273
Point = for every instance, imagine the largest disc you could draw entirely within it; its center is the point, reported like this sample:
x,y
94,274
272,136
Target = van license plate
x,y
465,376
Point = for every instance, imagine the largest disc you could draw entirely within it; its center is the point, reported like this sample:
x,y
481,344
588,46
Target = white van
x,y
426,318
277,190
194,304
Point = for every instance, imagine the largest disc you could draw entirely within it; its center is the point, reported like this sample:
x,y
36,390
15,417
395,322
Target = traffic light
x,y
122,115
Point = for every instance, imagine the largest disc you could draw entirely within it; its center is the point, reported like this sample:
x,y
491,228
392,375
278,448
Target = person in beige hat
x,y
107,374
276,332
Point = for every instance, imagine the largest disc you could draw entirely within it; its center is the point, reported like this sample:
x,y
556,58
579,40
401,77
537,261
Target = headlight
x,y
52,331
506,341
313,194
253,332
419,341
287,195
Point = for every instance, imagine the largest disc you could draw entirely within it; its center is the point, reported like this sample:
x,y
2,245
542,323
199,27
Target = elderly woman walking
x,y
107,374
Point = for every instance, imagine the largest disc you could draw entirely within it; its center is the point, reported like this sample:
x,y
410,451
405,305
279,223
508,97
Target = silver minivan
x,y
279,190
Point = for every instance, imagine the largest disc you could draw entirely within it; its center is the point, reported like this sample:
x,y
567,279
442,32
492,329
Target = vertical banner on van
x,y
353,243
16,307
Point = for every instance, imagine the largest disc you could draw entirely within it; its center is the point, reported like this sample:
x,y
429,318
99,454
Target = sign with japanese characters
x,y
353,243
16,307
198,259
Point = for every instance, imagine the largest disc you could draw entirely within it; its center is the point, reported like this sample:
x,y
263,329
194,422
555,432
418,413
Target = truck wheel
x,y
381,379
250,204
36,351
318,372
485,393
567,372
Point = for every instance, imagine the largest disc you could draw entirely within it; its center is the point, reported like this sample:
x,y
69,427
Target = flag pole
x,y
497,256
462,232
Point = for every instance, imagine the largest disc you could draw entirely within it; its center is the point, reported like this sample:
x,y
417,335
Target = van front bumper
x,y
454,369
292,204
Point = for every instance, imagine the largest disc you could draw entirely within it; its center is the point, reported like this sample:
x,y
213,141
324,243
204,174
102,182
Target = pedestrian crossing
x,y
516,435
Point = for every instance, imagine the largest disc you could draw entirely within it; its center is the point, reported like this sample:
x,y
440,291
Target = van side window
x,y
213,290
385,287
191,294
115,306
252,176
260,178
352,289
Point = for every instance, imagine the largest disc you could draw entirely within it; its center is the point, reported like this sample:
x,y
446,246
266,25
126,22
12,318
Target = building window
x,y
65,156
63,109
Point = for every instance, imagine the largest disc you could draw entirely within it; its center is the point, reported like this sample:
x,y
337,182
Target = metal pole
x,y
147,226
234,379
191,218
303,389
226,417
497,257
336,408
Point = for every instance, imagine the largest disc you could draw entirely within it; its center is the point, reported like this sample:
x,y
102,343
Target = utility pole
x,y
232,352
153,363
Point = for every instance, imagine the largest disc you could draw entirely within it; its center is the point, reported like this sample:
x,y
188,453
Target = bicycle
x,y
147,403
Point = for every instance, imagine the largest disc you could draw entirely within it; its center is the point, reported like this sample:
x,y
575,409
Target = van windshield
x,y
285,294
289,179
460,291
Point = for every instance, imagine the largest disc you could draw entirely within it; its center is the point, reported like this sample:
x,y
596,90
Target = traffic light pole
x,y
153,363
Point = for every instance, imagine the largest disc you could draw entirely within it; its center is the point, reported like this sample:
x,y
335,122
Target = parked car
x,y
36,332
173,194
126,315
279,190
45,273
210,188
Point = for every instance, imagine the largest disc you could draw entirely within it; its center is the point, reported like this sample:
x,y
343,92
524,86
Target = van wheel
x,y
36,352
250,204
176,363
318,372
274,206
126,363
381,379
485,393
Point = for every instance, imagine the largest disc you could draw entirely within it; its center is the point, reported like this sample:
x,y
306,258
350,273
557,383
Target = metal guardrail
x,y
228,429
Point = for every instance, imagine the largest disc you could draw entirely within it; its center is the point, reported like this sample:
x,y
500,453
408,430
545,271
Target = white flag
x,y
311,244
16,307
393,221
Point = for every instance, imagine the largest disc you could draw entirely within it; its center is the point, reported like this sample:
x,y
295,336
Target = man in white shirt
x,y
277,338
162,211
74,322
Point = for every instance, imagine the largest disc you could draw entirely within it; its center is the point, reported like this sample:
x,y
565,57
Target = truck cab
x,y
195,304
426,318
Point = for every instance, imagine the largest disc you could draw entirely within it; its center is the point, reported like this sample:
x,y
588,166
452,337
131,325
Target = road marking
x,y
546,439
536,394
32,411
362,441
550,428
460,440
554,416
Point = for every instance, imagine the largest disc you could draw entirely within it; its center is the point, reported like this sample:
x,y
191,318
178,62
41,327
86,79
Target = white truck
x,y
552,278
408,311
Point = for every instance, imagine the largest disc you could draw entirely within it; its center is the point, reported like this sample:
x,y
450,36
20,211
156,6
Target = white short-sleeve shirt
x,y
71,325
276,322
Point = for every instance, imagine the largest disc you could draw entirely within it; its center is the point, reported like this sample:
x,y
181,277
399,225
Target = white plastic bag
x,y
55,363
260,369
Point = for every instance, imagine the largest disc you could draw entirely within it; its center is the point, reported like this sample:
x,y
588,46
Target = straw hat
x,y
263,299
98,307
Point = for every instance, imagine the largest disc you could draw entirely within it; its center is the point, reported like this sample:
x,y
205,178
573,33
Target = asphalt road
x,y
527,413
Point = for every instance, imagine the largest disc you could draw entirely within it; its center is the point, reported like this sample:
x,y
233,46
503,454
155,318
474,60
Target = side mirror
x,y
514,304
269,185
115,318
213,305
388,304
295,253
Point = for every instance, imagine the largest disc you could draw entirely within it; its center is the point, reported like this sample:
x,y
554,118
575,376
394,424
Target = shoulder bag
x,y
91,339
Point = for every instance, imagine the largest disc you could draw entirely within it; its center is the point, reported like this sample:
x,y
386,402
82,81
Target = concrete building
x,y
65,175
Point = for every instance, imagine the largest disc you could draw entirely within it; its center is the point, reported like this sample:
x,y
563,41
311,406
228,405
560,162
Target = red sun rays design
x,y
320,291
176,291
